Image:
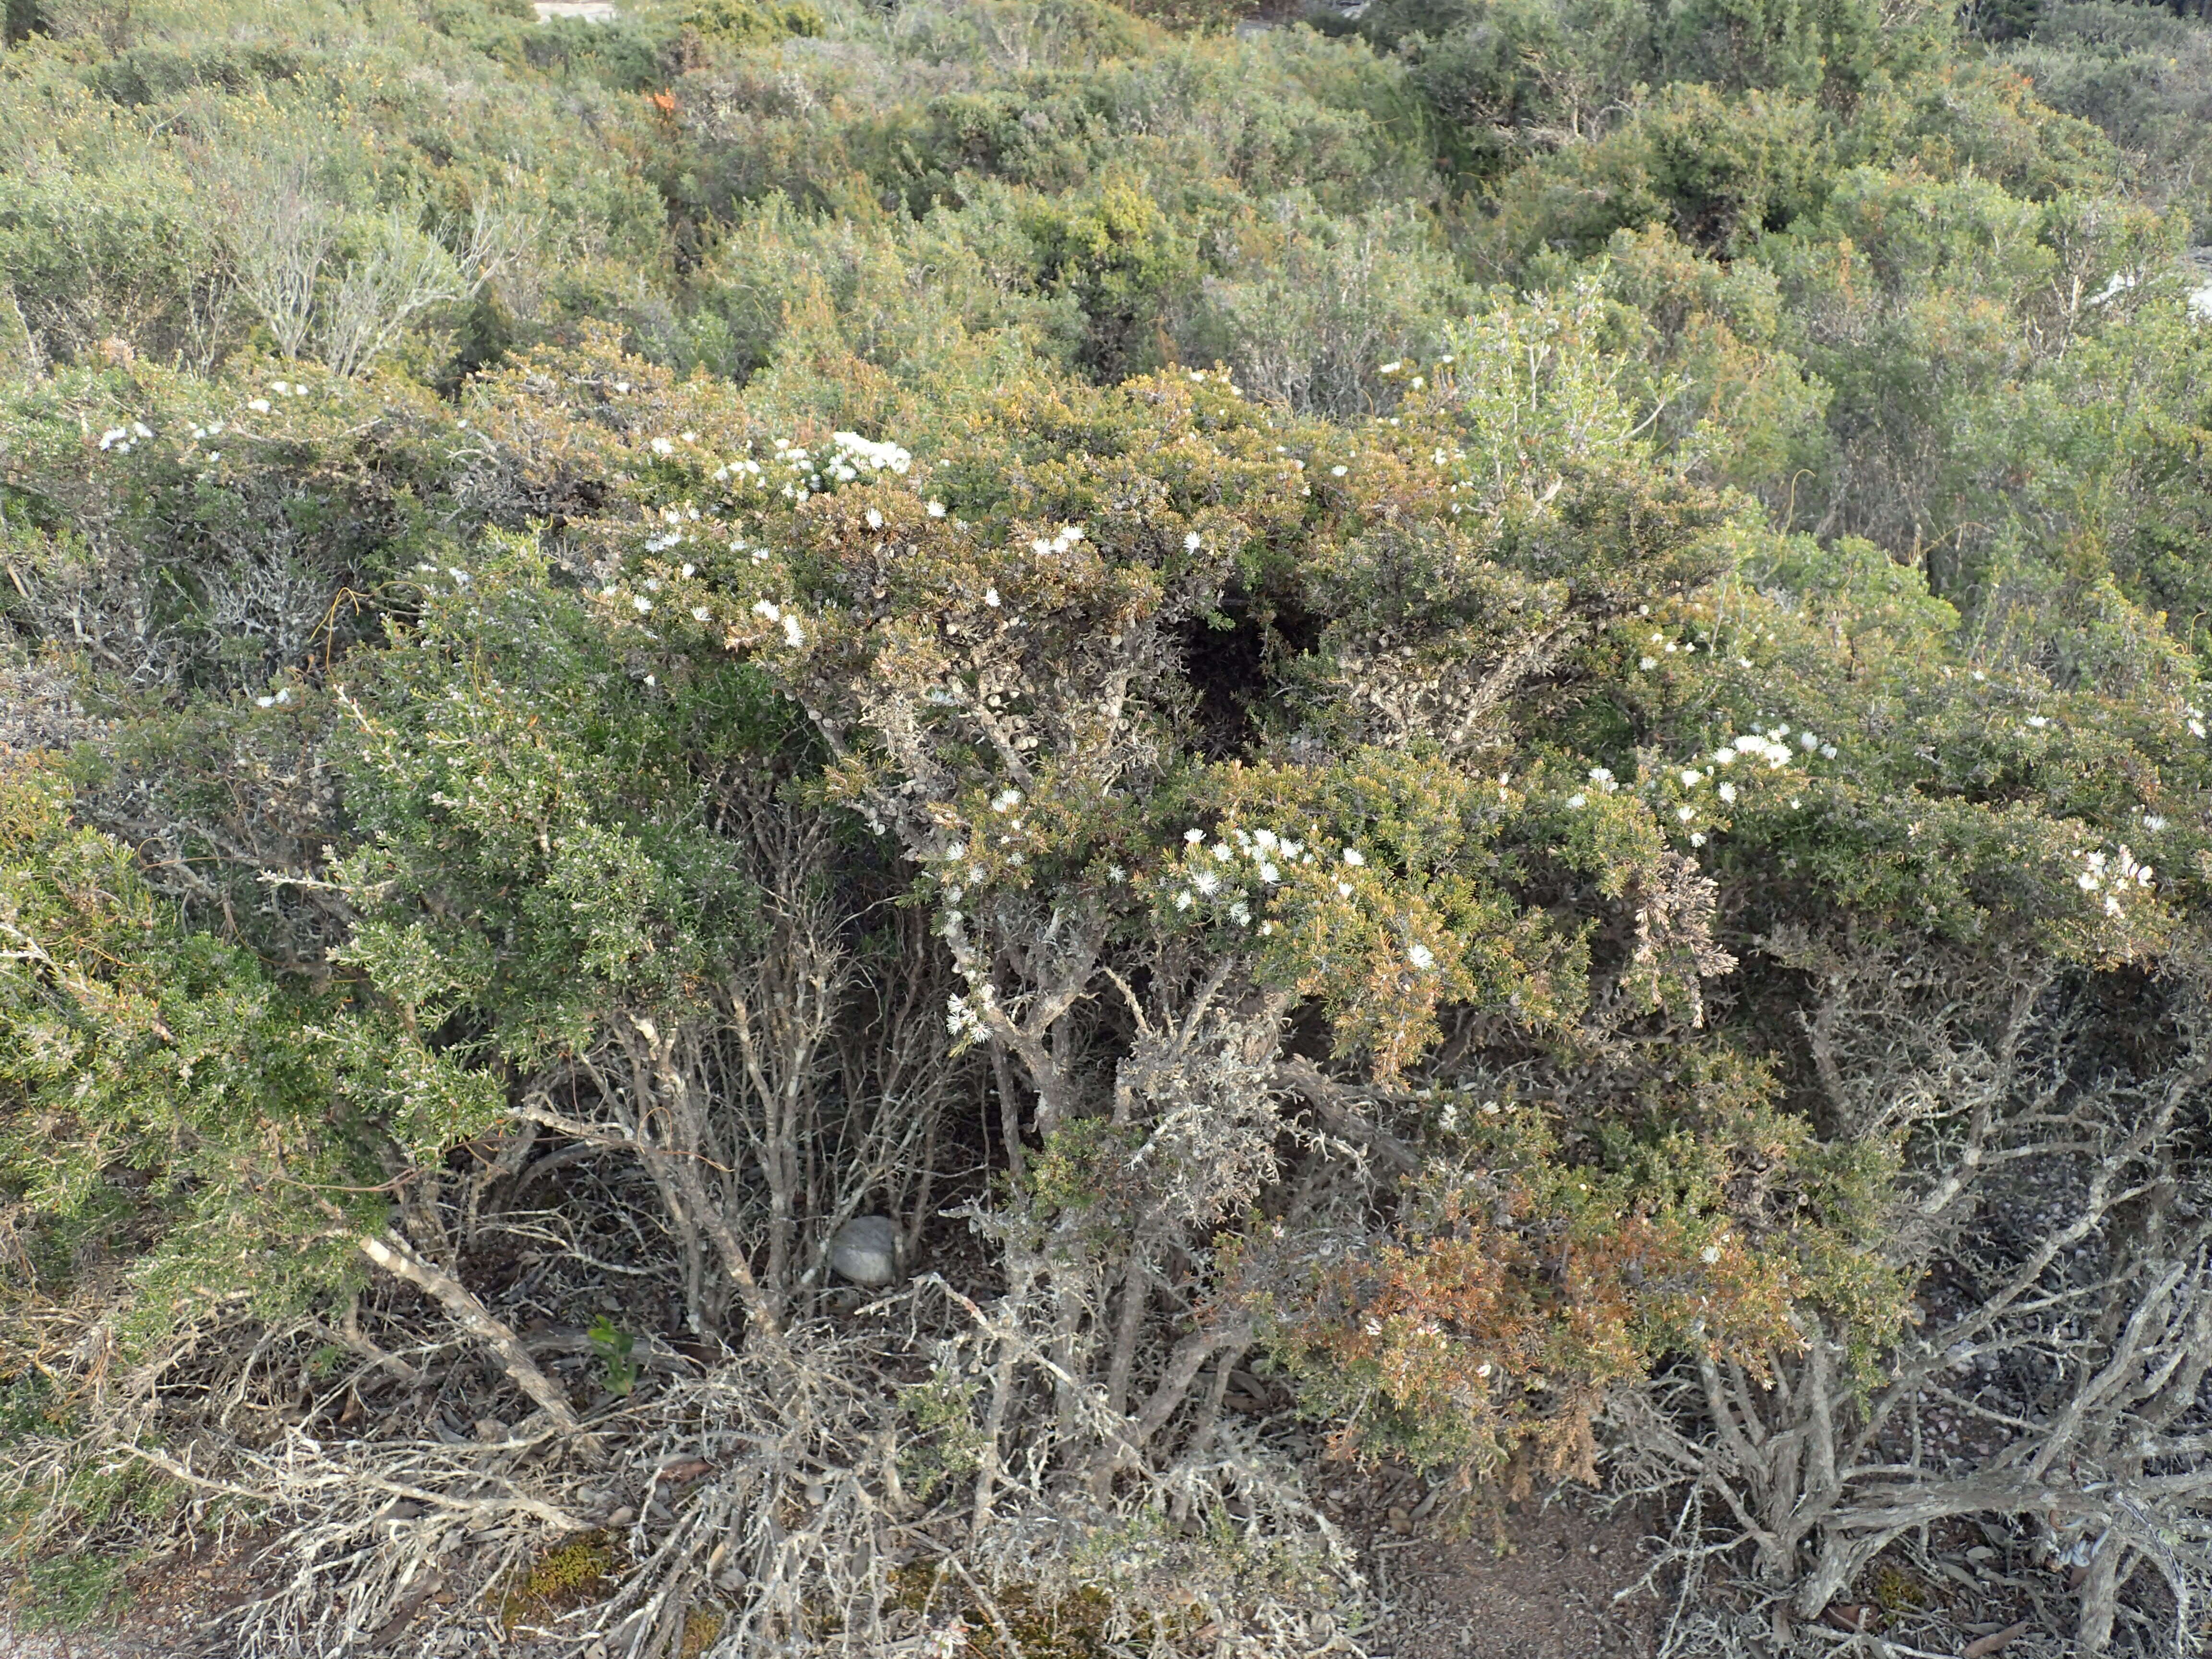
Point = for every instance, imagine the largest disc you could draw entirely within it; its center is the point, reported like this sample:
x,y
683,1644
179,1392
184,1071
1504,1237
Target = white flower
x,y
1578,800
1647,663
1116,874
1692,779
1727,791
1222,852
936,510
1390,367
2038,721
259,406
1697,838
643,605
1336,472
1828,751
1807,740
793,633
1190,543
1266,927
875,519
1710,1254
1005,799
1600,775
662,447
1269,874
1208,883
688,437
876,457
768,610
114,436
1685,813
1344,890
1483,1369
1240,914
1421,956
1182,900
1353,857
700,613
991,597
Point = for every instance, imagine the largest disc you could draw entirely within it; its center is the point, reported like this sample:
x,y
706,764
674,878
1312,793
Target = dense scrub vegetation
x,y
1475,734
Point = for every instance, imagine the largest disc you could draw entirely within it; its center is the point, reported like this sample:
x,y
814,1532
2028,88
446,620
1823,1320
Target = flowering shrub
x,y
1495,712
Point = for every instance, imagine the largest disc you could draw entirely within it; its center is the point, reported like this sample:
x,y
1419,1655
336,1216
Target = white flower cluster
x,y
1772,746
676,534
1233,873
460,577
282,389
1067,535
856,454
849,456
2113,875
769,611
1688,647
964,1020
120,440
1602,779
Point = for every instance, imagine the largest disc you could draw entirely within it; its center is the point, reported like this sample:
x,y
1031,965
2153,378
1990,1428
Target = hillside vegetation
x,y
1474,736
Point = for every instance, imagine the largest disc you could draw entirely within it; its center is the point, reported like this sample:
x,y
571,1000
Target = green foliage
x,y
753,22
70,1594
162,1099
615,1347
573,1574
532,812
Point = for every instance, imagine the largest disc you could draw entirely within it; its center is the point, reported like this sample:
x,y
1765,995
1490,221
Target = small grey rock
x,y
866,1250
